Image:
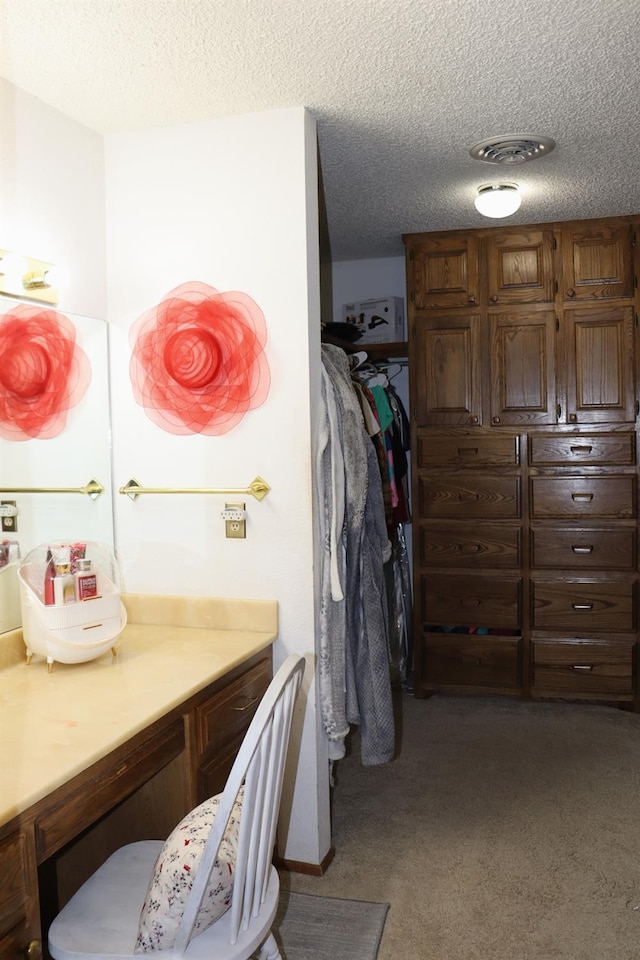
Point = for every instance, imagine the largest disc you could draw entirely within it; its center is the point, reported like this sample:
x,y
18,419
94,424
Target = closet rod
x,y
258,488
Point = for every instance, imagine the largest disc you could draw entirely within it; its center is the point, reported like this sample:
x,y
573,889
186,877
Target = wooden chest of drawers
x,y
525,401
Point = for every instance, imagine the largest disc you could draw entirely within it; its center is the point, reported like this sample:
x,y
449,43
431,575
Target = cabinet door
x,y
600,365
522,368
443,271
447,371
520,267
598,262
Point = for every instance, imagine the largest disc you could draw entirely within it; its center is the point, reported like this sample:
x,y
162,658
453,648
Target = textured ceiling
x,y
401,89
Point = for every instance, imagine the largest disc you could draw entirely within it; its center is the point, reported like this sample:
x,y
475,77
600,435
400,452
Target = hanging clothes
x,y
393,443
354,671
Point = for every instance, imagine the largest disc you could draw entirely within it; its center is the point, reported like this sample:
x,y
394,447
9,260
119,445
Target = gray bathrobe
x,y
355,685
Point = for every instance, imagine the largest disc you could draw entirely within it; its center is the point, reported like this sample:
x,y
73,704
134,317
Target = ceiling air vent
x,y
511,149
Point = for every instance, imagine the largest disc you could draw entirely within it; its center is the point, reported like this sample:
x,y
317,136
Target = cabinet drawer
x,y
114,778
455,659
583,668
465,545
470,601
228,713
584,549
583,607
469,496
615,448
467,451
583,497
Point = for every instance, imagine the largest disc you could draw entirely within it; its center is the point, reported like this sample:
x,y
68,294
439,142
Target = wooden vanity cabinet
x,y
523,365
140,791
19,904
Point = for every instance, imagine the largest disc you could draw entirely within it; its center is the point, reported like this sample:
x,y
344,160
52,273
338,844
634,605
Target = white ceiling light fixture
x,y
498,200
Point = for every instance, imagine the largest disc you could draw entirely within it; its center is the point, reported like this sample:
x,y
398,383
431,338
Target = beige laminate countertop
x,y
54,725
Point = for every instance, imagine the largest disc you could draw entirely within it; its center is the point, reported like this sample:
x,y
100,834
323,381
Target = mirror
x,y
80,453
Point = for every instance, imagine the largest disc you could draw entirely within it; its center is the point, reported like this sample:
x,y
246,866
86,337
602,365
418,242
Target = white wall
x,y
231,202
52,196
367,280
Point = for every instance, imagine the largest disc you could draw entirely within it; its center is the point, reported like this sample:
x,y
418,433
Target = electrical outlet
x,y
235,524
9,524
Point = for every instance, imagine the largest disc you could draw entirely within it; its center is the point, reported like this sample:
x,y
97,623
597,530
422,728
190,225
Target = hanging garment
x,y
330,493
354,671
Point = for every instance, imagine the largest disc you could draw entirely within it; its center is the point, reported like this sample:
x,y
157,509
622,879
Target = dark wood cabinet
x,y
449,389
524,403
520,266
522,380
443,271
598,259
600,362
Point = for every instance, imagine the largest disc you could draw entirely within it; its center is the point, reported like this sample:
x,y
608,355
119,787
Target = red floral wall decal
x,y
43,372
198,362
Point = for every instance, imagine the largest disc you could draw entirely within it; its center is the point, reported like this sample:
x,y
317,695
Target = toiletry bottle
x,y
86,580
49,574
64,584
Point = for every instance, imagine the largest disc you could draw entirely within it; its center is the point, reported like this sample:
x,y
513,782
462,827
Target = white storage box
x,y
379,321
71,632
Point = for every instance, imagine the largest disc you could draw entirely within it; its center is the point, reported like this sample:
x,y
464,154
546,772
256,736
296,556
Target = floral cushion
x,y
174,873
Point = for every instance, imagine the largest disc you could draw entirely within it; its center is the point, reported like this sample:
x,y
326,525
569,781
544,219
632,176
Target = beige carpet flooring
x,y
503,830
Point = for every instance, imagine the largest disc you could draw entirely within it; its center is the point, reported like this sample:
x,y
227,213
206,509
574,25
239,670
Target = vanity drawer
x,y
227,714
596,605
484,545
467,451
583,668
583,497
469,660
584,549
596,449
469,496
471,601
104,785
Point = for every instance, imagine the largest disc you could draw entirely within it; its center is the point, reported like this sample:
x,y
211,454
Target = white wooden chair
x,y
101,920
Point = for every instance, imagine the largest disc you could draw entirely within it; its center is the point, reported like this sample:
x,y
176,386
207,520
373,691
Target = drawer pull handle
x,y
577,549
582,667
582,606
470,602
475,661
469,547
585,449
578,497
250,702
467,451
468,497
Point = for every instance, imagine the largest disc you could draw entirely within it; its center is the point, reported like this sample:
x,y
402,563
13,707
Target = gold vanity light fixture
x,y
28,278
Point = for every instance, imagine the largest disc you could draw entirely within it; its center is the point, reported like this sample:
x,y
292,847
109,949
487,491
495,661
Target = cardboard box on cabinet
x,y
379,321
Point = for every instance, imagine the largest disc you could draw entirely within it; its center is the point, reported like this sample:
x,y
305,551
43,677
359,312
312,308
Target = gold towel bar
x,y
93,489
258,488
